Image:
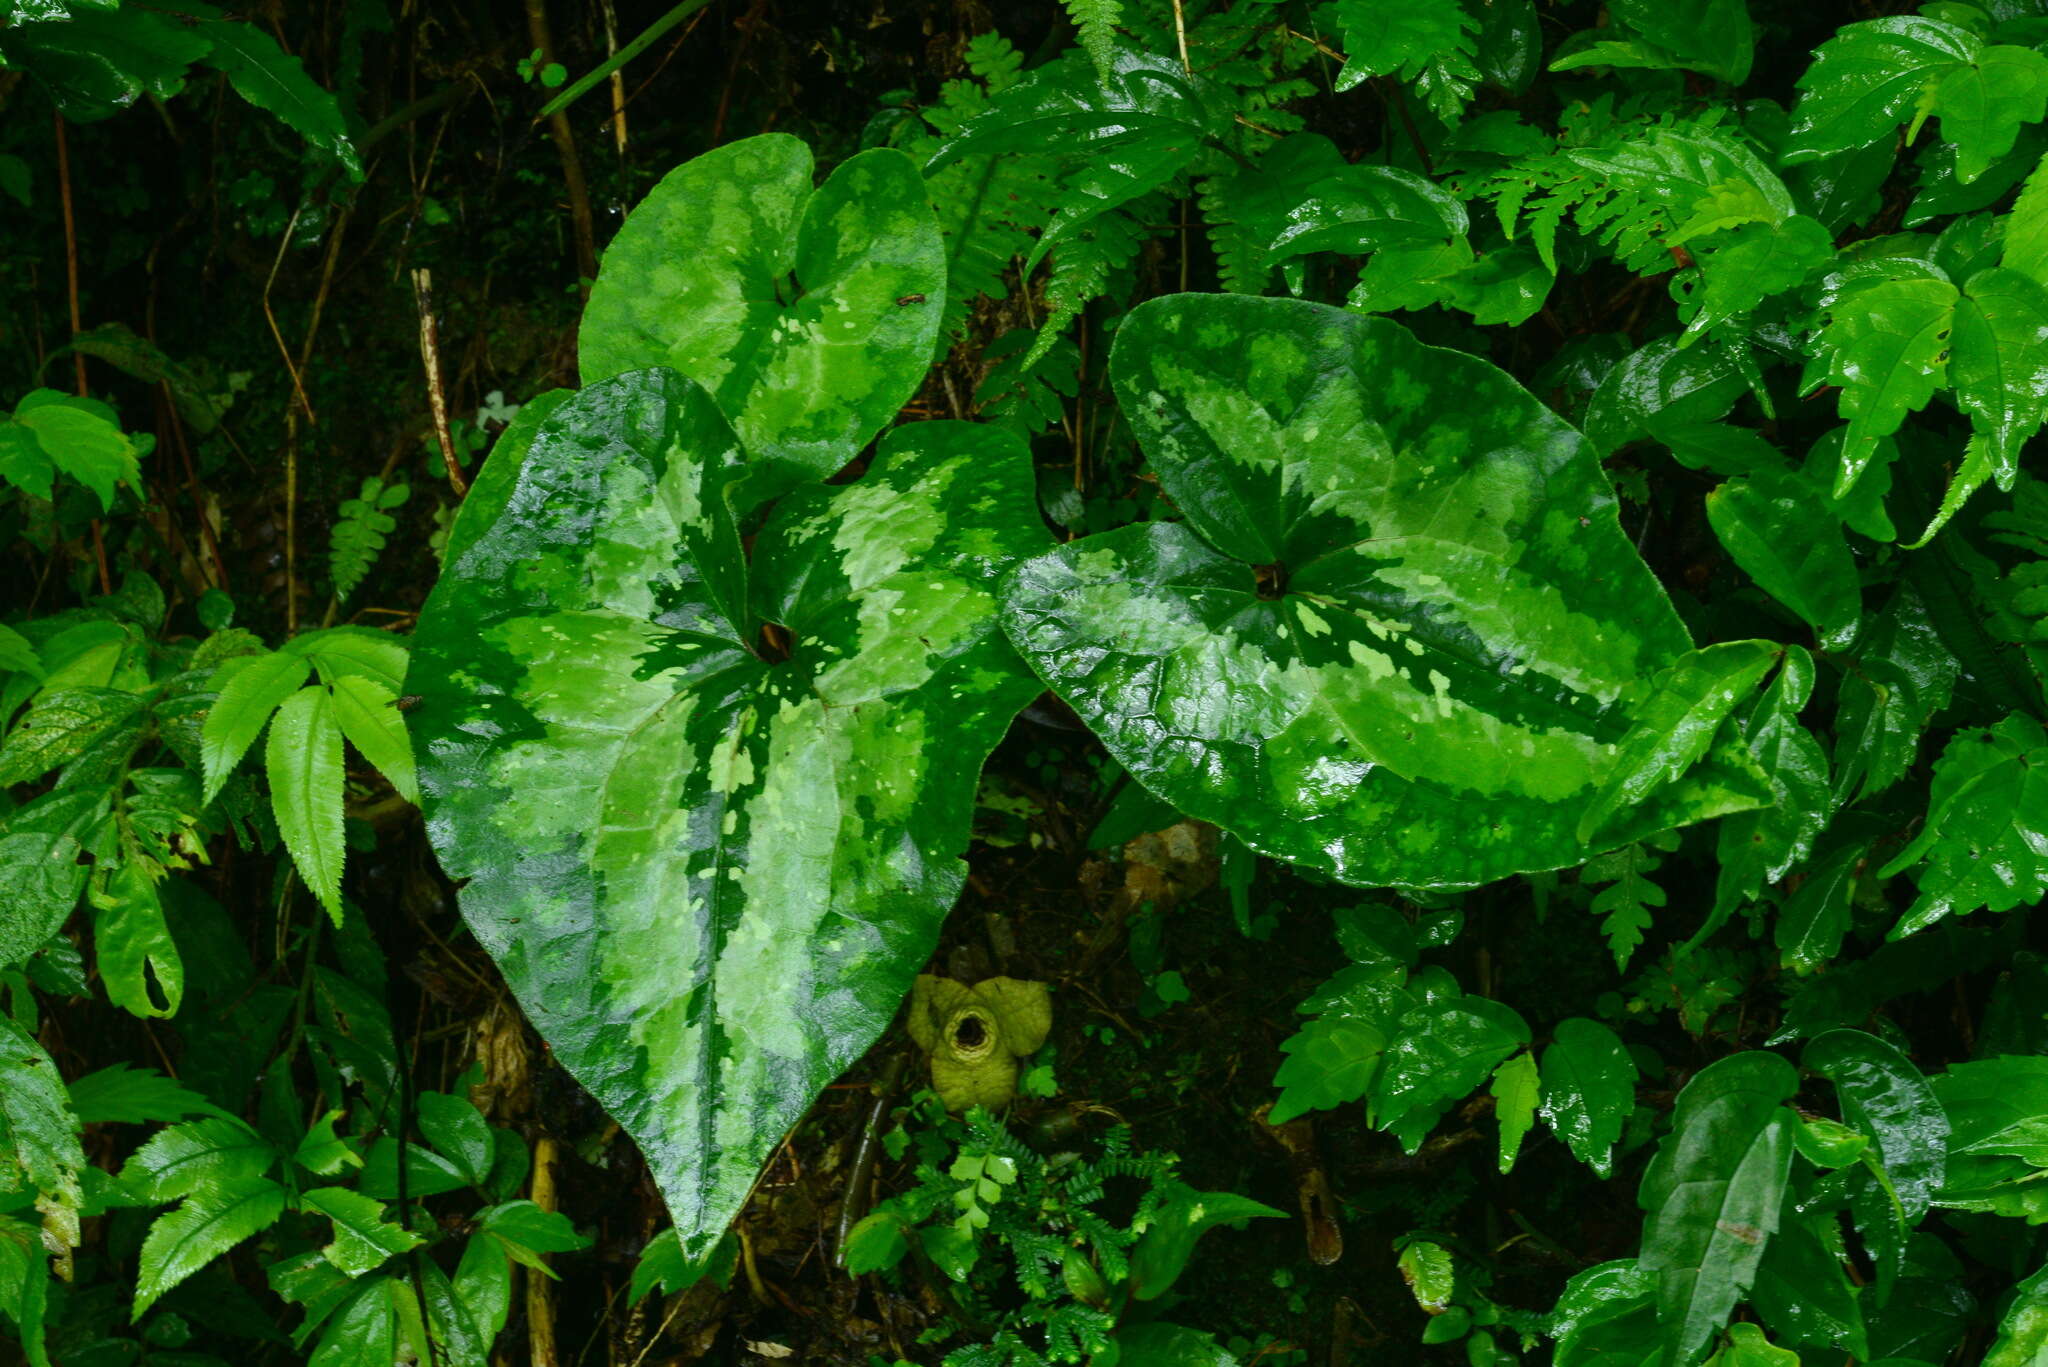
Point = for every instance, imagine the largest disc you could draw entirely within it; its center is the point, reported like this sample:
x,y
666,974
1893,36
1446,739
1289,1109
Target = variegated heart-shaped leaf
x,y
711,813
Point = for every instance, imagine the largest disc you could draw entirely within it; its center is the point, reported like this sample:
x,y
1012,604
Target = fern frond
x,y
1095,24
360,526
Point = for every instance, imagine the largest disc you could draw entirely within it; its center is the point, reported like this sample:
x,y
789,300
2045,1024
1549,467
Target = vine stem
x,y
99,540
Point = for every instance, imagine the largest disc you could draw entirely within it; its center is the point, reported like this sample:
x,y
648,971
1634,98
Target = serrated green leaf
x,y
1983,105
1710,36
39,1149
1440,1052
1627,905
1588,1090
1998,363
81,443
368,715
1886,343
1746,265
363,1237
211,1221
1762,846
1713,1193
302,760
1869,78
1983,845
184,1158
40,879
66,724
339,653
1781,533
2023,1333
698,280
274,81
1515,1091
121,1094
251,690
746,861
1412,708
1330,1061
2025,246
1675,728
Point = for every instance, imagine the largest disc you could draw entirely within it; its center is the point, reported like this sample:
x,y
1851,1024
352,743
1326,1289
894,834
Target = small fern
x,y
1626,904
1095,22
360,526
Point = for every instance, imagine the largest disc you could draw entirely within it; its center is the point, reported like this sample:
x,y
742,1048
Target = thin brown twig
x,y
277,333
1180,33
99,539
437,395
565,147
540,1301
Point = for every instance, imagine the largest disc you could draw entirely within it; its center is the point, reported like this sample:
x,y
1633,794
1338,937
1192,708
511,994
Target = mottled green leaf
x,y
1985,843
302,760
65,724
1714,1191
40,879
39,1149
1589,1089
700,279
1781,532
710,876
1399,633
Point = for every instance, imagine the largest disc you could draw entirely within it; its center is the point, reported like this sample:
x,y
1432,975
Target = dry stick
x,y
618,76
437,397
540,1304
732,70
1180,33
99,540
565,146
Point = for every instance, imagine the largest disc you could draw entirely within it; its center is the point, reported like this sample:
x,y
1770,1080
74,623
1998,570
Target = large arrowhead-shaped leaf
x,y
700,279
1443,682
708,877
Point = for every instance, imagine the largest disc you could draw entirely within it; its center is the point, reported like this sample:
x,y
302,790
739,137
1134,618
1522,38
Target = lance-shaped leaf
x,y
1400,633
1713,1193
709,877
808,369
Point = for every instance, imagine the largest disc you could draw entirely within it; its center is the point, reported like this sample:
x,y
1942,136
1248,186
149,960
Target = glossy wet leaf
x,y
1440,1053
2025,247
1780,531
2023,1333
711,878
811,316
1985,843
1515,1089
1308,198
211,1221
1762,846
1999,363
138,961
1589,1089
1746,265
1802,1291
1675,727
1713,1193
302,760
364,1238
1886,343
1711,36
1462,638
1869,78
